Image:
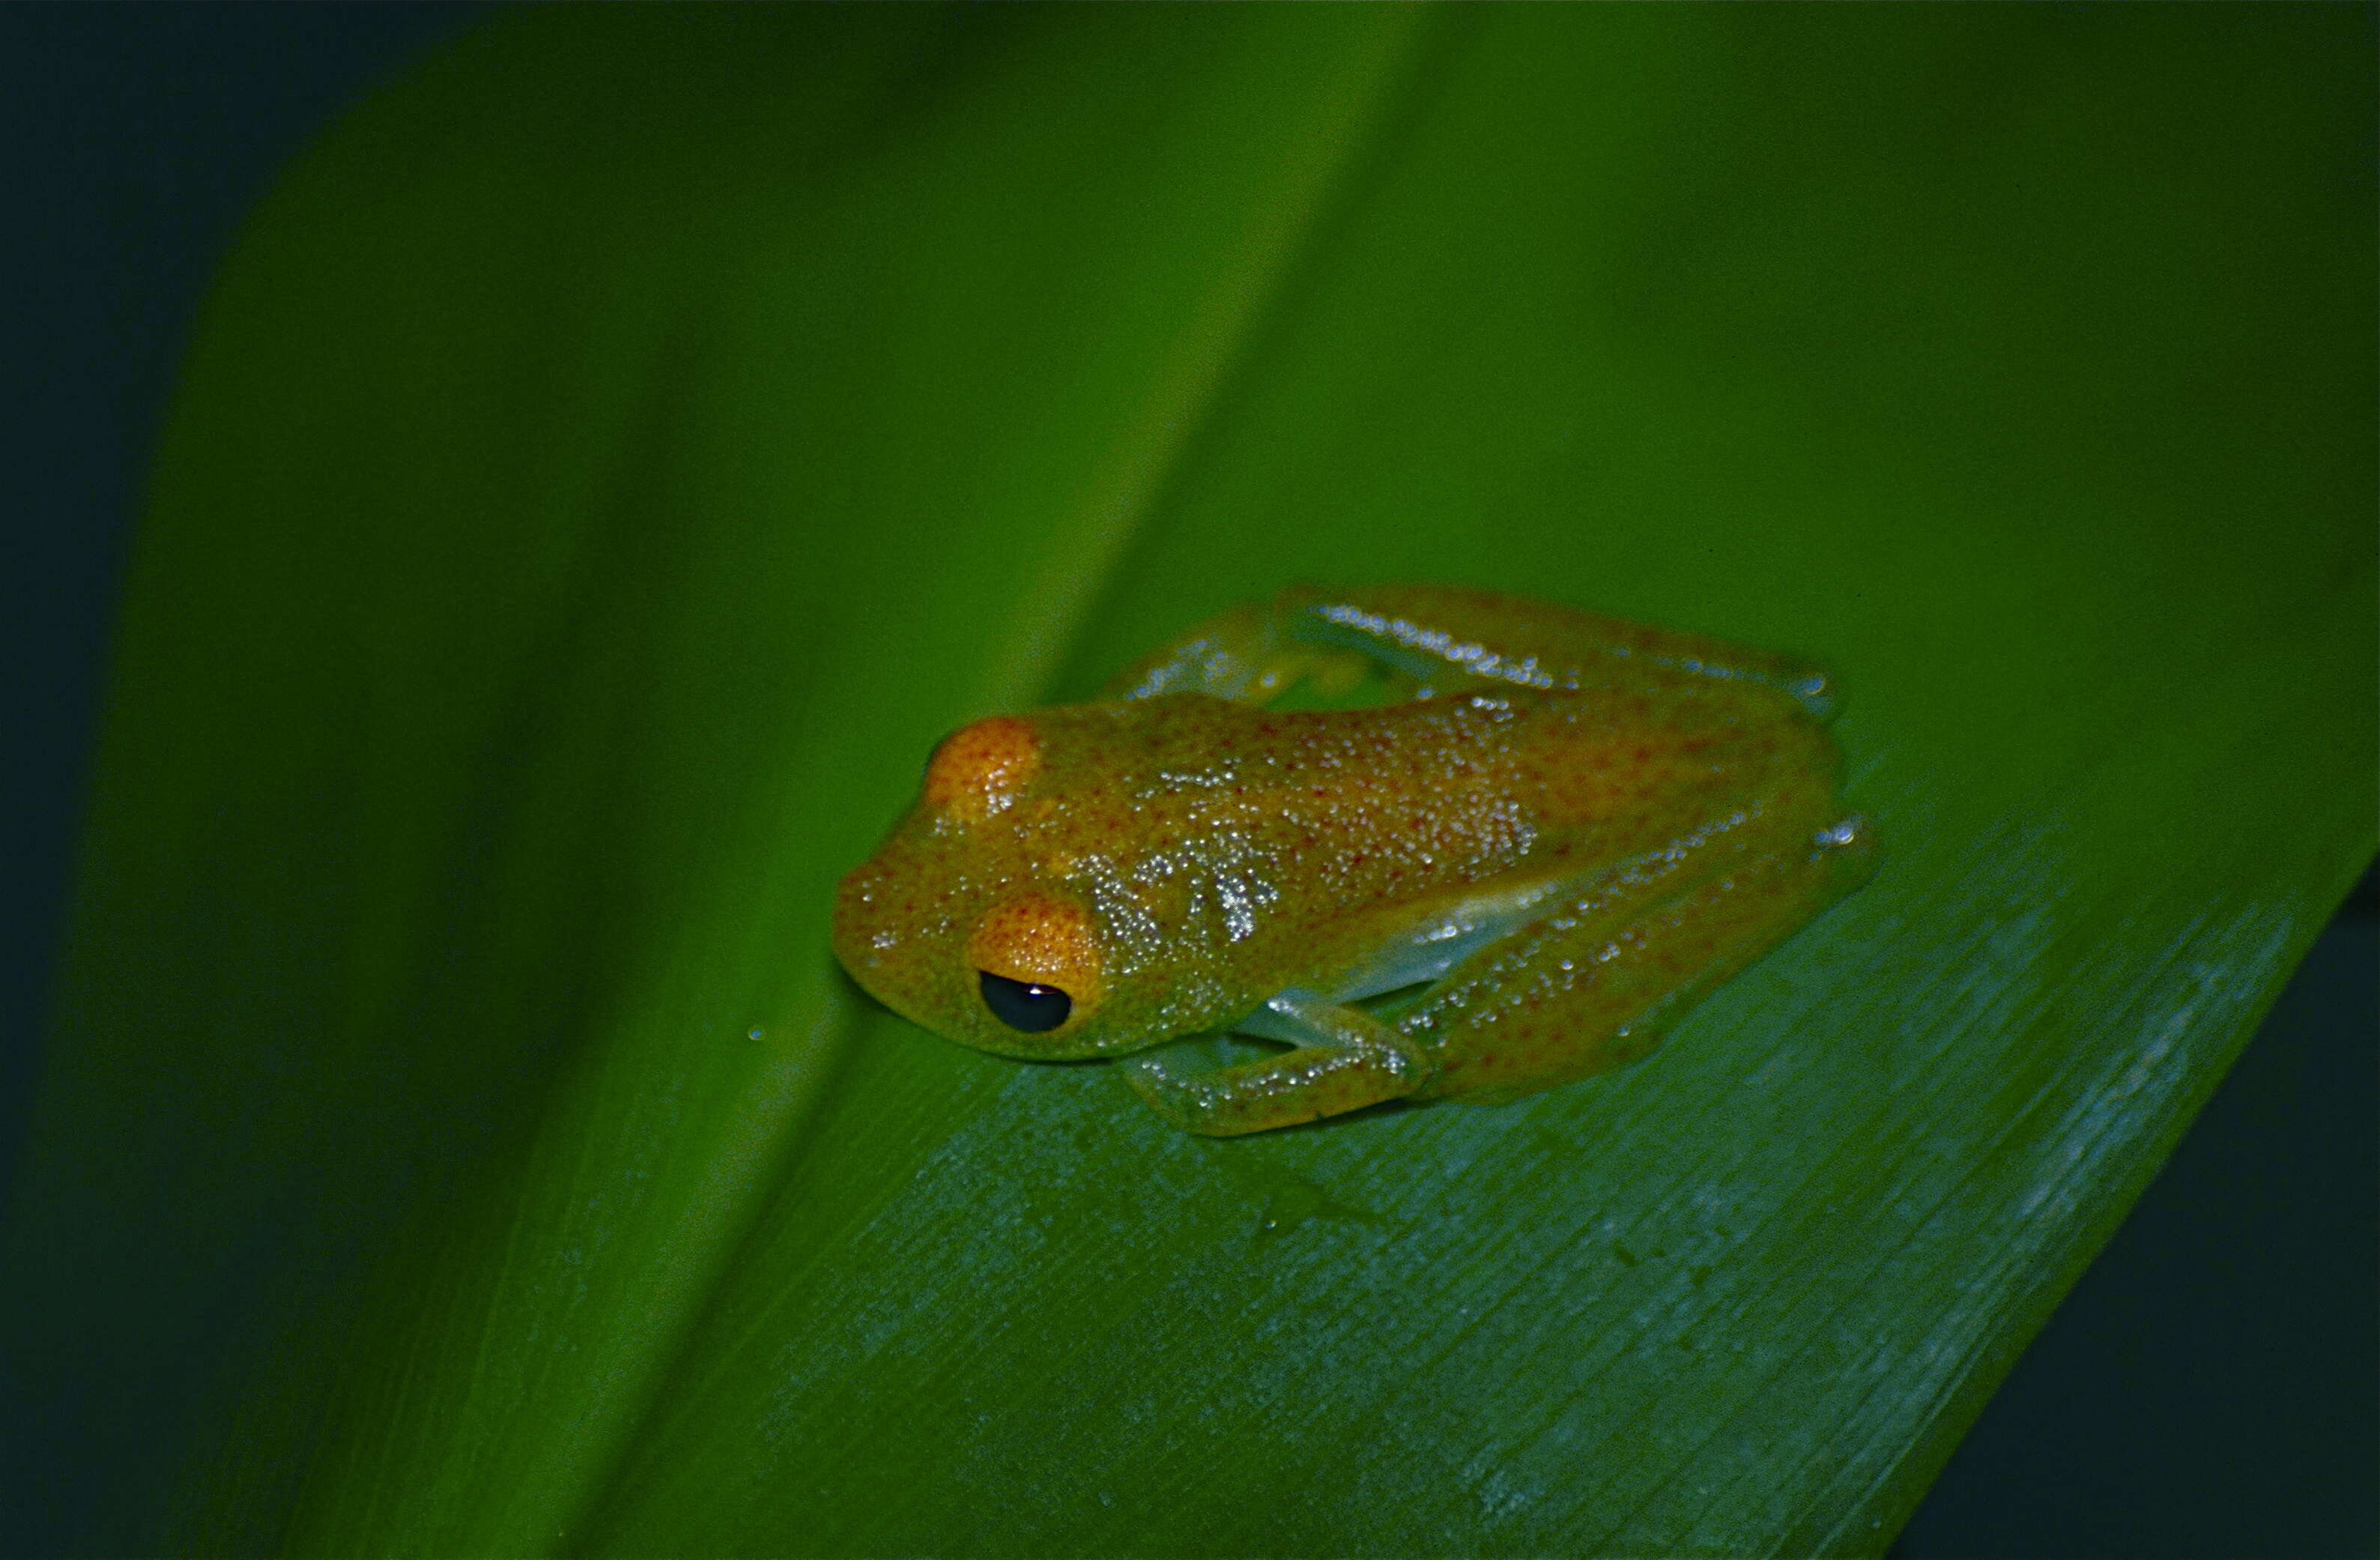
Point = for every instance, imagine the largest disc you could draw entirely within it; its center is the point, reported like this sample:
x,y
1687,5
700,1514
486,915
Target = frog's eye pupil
x,y
1023,1005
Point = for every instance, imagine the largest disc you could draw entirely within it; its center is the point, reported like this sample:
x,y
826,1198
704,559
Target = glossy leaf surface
x,y
615,456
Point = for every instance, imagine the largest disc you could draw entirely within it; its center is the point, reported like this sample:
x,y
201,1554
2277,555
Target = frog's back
x,y
1378,814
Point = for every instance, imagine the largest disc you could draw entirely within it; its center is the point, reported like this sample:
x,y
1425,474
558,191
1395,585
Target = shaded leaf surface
x,y
615,456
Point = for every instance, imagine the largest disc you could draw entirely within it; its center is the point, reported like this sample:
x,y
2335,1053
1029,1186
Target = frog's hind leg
x,y
1453,640
1344,1060
1599,984
1443,638
1537,982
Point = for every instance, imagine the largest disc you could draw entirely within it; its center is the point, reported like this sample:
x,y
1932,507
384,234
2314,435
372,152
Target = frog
x,y
1409,843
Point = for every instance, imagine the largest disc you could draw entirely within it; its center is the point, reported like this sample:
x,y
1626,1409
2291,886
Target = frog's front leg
x,y
1344,1060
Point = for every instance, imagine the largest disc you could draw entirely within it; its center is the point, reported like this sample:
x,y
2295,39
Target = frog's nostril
x,y
1022,1004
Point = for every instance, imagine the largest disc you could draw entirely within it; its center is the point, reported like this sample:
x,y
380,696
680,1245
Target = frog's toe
x,y
1174,1093
1814,690
1849,850
1148,1075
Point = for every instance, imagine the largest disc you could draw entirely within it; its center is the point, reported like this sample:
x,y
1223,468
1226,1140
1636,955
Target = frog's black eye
x,y
1022,1005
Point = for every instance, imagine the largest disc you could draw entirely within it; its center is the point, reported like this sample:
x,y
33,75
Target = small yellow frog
x,y
1561,835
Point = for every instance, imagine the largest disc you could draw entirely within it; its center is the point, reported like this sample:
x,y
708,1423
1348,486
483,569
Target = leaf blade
x,y
739,532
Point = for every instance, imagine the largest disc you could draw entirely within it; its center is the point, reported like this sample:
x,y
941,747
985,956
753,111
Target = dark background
x,y
2212,1386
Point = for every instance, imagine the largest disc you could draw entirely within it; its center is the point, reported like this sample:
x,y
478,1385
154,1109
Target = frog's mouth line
x,y
961,1018
1077,1039
991,1037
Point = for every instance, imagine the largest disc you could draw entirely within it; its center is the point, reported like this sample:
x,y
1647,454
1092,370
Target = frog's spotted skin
x,y
1571,827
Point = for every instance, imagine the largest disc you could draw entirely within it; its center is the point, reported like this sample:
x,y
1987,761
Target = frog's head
x,y
968,920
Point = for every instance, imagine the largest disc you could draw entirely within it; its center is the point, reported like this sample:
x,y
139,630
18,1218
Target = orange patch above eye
x,y
979,769
1043,942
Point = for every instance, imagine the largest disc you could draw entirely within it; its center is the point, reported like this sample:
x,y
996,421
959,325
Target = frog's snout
x,y
852,931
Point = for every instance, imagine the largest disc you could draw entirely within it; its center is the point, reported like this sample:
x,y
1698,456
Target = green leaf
x,y
615,455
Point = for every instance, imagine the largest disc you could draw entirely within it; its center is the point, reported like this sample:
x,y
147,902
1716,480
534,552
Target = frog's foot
x,y
1343,1060
1251,655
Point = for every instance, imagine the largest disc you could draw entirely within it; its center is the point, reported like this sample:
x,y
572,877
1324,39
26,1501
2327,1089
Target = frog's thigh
x,y
1350,1060
1451,638
1573,996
